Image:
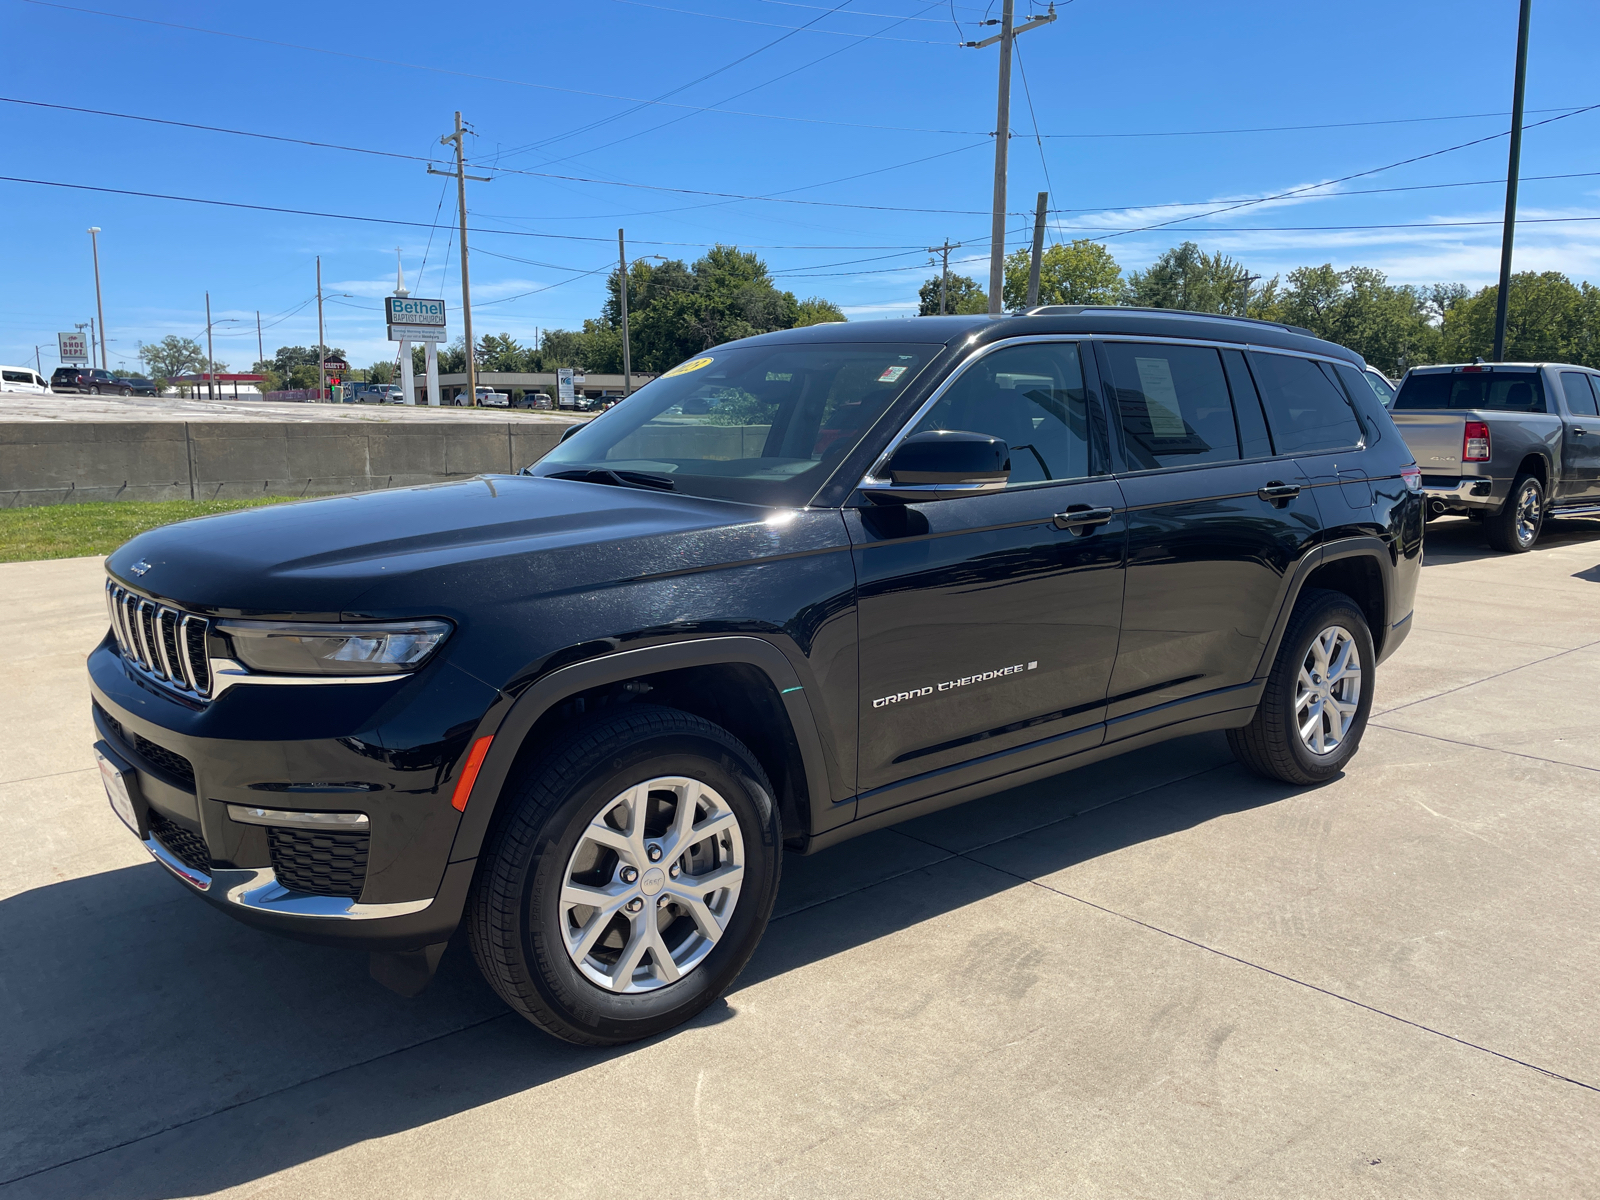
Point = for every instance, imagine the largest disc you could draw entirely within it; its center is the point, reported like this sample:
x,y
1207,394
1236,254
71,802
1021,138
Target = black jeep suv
x,y
800,587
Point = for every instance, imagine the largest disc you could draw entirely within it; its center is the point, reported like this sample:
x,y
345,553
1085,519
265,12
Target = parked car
x,y
489,398
22,379
803,586
537,400
1382,386
90,381
1508,444
138,385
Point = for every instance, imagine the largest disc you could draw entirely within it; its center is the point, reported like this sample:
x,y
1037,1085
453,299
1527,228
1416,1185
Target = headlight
x,y
296,648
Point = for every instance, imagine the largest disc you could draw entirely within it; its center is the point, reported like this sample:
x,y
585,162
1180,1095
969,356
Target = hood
x,y
347,553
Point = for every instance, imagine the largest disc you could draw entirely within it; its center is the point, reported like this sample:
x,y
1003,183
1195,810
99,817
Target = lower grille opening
x,y
322,863
111,722
188,848
168,762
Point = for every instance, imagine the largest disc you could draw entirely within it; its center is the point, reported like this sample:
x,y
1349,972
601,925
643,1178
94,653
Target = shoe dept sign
x,y
413,320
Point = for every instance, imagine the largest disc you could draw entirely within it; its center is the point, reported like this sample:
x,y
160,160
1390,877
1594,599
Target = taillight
x,y
1475,442
1413,477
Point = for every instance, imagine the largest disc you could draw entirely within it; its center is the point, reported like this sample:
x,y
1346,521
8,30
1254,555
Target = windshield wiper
x,y
635,479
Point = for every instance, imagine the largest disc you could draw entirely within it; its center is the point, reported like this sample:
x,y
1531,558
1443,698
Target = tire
x,y
1516,527
94,391
520,916
1272,744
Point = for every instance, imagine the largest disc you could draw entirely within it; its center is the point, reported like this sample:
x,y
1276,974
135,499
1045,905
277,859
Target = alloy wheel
x,y
1528,513
1328,690
652,884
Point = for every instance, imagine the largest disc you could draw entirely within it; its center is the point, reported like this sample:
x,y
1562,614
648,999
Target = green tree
x,y
1188,278
814,310
381,372
170,357
1548,319
1388,326
962,295
294,367
1079,272
501,352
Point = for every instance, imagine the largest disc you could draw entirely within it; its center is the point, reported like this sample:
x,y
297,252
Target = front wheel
x,y
94,391
1314,709
1515,528
629,878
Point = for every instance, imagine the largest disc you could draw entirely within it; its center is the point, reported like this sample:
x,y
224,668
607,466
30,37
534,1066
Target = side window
x,y
1173,404
1580,397
1033,398
1306,410
1254,442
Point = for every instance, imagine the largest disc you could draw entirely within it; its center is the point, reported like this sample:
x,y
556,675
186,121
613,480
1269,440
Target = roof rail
x,y
1072,310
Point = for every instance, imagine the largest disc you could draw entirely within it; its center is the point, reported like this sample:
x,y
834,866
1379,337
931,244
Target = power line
x,y
1302,128
774,25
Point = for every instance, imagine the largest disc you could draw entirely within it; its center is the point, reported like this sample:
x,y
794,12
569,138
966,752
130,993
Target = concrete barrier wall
x,y
75,462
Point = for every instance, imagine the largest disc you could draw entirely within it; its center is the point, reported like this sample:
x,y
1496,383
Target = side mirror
x,y
941,464
568,432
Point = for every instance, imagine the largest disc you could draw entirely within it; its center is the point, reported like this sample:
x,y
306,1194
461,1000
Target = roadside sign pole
x,y
431,351
322,349
622,296
1503,296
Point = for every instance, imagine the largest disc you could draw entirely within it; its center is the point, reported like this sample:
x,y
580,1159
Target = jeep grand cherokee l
x,y
802,586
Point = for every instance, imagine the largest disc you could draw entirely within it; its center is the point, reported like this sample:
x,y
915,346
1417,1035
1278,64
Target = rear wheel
x,y
629,879
1314,709
94,391
1515,528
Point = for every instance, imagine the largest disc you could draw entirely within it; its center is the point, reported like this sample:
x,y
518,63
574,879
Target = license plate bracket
x,y
122,789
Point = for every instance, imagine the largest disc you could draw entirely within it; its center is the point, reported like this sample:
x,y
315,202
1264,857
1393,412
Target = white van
x,y
23,379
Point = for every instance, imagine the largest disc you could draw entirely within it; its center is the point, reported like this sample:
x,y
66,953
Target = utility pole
x,y
1002,143
322,348
1038,250
99,308
1244,304
211,359
261,351
944,273
622,296
1503,296
459,140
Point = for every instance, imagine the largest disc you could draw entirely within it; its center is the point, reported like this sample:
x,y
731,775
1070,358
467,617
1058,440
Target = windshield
x,y
1510,391
761,424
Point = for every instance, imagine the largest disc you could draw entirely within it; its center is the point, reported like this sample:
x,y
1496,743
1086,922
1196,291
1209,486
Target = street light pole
x,y
211,359
99,308
622,296
322,348
1503,296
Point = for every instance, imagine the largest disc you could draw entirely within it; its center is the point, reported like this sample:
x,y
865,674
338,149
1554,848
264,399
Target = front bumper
x,y
320,750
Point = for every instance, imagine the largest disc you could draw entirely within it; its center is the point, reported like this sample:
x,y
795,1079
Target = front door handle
x,y
1578,431
1277,493
1081,518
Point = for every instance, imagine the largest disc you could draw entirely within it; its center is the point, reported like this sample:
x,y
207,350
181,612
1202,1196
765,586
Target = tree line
x,y
1393,326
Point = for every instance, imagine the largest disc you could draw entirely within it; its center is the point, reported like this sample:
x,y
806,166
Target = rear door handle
x,y
1080,518
1277,493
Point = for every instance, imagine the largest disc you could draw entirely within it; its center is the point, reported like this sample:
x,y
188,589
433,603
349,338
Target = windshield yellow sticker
x,y
694,364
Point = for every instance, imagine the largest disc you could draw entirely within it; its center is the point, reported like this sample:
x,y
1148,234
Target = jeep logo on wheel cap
x,y
653,881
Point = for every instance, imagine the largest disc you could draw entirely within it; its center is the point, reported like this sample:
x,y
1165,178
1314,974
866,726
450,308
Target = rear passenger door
x,y
1314,422
1580,445
1216,521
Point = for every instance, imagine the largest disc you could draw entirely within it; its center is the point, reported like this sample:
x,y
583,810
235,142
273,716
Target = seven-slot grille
x,y
161,641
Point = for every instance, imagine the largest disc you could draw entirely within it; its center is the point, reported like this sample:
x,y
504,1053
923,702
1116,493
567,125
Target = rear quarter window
x,y
1305,409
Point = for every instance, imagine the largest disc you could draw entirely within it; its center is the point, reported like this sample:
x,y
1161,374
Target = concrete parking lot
x,y
1157,977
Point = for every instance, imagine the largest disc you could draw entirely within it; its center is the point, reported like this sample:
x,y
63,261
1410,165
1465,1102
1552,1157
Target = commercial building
x,y
594,387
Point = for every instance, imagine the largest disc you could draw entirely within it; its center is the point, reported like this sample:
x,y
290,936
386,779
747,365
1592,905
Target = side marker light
x,y
469,773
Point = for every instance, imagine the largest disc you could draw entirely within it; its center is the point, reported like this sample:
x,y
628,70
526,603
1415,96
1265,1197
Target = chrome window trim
x,y
871,479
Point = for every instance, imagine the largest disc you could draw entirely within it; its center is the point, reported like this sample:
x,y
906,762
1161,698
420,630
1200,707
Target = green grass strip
x,y
76,530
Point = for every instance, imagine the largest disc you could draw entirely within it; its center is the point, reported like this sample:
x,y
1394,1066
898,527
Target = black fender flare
x,y
1373,548
548,691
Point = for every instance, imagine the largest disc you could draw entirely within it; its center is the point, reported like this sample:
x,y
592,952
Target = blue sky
x,y
867,115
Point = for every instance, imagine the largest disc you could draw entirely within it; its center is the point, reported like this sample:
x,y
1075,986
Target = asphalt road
x,y
1156,977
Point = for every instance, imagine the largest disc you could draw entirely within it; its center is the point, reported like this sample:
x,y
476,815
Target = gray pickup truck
x,y
1508,444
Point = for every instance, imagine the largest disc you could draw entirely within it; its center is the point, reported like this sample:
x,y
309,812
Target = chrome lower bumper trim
x,y
258,889
1473,490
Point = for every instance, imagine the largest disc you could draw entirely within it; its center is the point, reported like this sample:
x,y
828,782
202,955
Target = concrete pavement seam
x,y
1554,762
288,1087
52,775
1486,679
1244,962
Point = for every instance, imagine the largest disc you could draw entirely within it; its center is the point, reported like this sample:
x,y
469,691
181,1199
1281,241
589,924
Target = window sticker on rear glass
x,y
694,364
1160,398
892,374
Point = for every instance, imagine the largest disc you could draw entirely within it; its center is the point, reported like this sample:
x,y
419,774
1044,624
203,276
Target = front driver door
x,y
989,622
